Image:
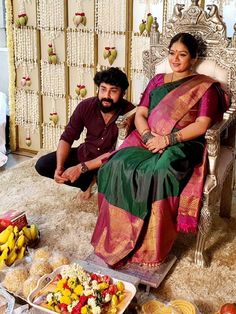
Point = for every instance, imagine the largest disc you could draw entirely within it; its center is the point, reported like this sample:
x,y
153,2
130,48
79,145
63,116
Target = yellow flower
x,y
84,309
65,299
74,296
79,290
66,292
60,284
71,282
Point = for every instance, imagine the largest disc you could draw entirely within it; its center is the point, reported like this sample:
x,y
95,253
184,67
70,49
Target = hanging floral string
x,y
27,109
51,136
110,16
80,47
53,79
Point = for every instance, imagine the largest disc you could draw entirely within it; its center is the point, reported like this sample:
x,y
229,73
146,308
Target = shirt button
x,y
98,148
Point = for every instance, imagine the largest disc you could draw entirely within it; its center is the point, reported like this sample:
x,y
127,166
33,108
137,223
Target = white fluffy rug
x,y
67,226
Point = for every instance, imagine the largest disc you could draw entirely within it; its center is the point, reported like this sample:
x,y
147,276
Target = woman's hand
x,y
158,143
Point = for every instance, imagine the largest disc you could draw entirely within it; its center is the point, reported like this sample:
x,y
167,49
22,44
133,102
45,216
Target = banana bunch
x,y
31,234
12,245
14,242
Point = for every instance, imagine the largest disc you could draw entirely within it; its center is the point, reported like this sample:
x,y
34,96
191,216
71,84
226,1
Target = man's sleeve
x,y
75,126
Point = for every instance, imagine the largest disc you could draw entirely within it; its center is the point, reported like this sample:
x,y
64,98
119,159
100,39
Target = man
x,y
78,166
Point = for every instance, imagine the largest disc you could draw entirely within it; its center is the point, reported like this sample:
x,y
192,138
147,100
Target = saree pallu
x,y
139,192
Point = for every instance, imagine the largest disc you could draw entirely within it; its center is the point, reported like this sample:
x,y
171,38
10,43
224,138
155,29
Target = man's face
x,y
109,96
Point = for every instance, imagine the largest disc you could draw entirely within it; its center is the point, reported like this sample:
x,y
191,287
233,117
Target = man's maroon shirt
x,y
100,138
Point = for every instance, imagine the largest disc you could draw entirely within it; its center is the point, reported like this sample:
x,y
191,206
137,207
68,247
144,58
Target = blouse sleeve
x,y
153,83
209,104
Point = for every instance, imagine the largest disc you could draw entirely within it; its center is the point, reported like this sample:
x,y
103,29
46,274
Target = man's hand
x,y
58,175
71,174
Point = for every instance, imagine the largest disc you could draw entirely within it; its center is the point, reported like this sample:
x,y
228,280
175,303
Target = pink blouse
x,y
208,106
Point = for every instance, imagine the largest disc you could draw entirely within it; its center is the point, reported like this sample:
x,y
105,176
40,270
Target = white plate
x,y
46,279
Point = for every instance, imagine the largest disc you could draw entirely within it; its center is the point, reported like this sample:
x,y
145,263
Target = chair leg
x,y
226,195
203,229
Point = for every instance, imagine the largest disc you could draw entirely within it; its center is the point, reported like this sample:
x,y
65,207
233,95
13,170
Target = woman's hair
x,y
112,76
195,44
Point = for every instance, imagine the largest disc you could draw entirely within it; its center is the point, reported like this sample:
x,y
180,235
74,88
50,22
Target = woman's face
x,y
179,58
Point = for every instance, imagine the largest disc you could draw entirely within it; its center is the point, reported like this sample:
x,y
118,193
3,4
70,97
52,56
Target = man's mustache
x,y
107,100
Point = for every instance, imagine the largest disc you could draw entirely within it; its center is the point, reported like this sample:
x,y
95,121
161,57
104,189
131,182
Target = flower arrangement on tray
x,y
76,291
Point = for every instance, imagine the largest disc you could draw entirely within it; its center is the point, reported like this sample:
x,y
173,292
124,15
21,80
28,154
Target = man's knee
x,y
45,166
40,166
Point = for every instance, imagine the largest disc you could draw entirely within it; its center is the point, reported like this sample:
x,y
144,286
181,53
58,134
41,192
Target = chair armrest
x,y
125,124
213,138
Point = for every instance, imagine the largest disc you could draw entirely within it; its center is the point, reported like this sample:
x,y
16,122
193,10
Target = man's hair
x,y
112,76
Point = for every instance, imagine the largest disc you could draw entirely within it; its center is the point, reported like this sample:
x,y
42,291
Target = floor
x,y
16,157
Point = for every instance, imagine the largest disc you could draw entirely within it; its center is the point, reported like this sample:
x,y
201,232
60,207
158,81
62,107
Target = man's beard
x,y
113,107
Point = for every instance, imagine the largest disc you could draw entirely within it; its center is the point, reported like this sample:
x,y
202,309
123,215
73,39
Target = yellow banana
x,y
3,246
27,233
5,234
20,241
21,253
33,232
16,231
4,254
11,241
11,257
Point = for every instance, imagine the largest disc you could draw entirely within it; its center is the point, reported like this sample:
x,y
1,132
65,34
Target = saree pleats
x,y
131,183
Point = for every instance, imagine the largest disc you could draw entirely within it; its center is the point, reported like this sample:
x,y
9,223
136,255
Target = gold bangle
x,y
166,140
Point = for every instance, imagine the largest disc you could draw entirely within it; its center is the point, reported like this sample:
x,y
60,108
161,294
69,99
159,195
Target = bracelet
x,y
147,129
180,137
173,138
166,140
147,136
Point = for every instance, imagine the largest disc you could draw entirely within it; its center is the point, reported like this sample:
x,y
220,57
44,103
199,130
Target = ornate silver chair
x,y
219,63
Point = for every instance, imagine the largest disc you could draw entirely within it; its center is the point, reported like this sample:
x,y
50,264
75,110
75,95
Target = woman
x,y
152,186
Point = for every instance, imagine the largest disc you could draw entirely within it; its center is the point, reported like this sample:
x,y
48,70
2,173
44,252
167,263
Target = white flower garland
x,y
25,44
50,14
73,103
51,135
110,16
50,18
27,109
80,47
138,45
53,79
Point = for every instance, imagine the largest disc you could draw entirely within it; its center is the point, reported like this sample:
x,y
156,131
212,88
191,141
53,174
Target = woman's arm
x,y
140,120
190,132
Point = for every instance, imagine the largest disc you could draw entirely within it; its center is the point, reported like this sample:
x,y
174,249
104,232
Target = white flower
x,y
107,297
96,310
92,302
72,305
49,297
95,285
57,295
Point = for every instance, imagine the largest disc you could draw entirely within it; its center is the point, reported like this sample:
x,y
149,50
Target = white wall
x,y
4,71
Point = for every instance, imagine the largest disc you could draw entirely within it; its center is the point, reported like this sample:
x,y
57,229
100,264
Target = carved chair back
x,y
219,63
